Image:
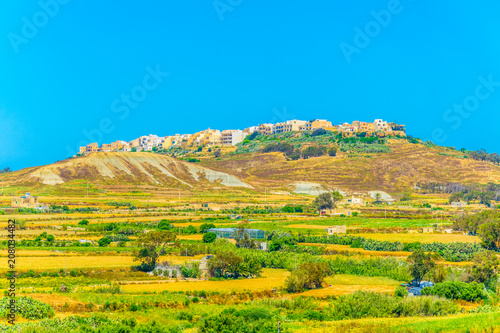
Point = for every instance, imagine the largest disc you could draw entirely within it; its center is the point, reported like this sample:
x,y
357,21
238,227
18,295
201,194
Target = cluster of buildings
x,y
211,137
27,201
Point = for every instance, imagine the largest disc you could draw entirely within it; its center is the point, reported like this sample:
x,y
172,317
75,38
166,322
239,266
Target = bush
x,y
83,222
165,225
206,226
400,292
471,292
27,307
363,304
209,237
103,242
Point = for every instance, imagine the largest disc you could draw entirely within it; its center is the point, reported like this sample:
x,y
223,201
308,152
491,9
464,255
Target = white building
x,y
380,125
232,137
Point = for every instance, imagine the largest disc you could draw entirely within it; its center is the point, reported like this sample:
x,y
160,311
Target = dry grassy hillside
x,y
397,171
124,168
393,172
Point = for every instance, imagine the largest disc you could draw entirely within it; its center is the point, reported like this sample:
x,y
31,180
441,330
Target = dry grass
x,y
271,278
424,238
80,262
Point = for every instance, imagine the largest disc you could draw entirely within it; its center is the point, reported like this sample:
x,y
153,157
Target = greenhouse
x,y
231,233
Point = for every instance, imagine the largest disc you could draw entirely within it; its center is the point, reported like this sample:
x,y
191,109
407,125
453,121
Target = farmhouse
x,y
427,230
336,229
355,201
458,204
26,201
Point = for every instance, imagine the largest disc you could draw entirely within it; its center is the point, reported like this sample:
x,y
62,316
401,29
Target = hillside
x,y
395,171
124,168
399,169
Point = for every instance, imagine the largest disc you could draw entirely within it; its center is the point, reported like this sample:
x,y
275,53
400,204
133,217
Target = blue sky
x,y
67,68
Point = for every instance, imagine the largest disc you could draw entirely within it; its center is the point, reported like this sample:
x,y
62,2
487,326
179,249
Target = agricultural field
x,y
91,269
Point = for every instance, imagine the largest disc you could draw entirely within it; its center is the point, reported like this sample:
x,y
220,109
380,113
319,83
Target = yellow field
x,y
271,278
190,237
424,238
346,284
50,263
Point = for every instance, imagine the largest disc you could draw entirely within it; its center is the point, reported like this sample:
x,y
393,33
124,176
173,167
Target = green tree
x,y
490,234
83,222
323,201
336,197
151,244
308,276
209,237
206,226
190,230
165,225
421,263
228,264
217,153
484,268
103,242
332,151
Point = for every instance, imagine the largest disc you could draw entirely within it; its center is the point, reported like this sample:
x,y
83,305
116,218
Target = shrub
x,y
471,292
209,237
363,304
27,307
83,222
400,292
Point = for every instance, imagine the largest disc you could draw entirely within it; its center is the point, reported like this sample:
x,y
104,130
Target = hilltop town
x,y
231,137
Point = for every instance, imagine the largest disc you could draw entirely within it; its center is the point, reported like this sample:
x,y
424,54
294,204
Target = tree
x,y
151,244
217,153
332,151
323,201
83,222
50,238
209,237
378,197
336,197
190,230
227,263
484,268
490,234
420,264
206,226
243,240
165,225
103,242
308,276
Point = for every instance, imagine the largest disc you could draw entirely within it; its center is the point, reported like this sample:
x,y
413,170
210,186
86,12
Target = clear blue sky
x,y
232,64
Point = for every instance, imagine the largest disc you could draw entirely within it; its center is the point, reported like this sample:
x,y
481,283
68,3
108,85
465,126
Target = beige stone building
x,y
336,229
26,201
315,124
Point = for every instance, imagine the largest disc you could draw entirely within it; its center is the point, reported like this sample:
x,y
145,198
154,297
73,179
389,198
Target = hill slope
x,y
124,168
392,172
396,171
